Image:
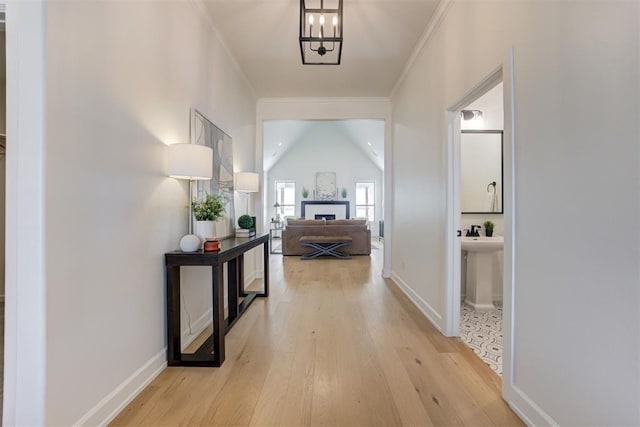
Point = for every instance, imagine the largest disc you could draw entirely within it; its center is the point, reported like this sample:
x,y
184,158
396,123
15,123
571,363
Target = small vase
x,y
211,245
488,233
205,230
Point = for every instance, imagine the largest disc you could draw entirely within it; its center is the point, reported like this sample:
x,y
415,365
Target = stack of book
x,y
245,232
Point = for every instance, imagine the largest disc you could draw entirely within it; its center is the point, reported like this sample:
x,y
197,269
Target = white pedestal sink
x,y
480,251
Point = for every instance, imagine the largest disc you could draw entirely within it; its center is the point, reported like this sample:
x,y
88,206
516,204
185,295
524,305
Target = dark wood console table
x,y
232,250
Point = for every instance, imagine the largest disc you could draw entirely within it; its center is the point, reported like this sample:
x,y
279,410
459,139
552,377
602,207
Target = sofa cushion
x,y
346,222
293,221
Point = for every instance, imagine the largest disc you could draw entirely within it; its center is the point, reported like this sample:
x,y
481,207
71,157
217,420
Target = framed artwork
x,y
326,188
203,132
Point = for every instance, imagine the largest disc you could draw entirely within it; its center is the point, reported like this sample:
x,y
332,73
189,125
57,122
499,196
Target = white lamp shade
x,y
190,161
247,182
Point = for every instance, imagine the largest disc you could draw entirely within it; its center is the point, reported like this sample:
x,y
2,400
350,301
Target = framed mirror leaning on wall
x,y
481,172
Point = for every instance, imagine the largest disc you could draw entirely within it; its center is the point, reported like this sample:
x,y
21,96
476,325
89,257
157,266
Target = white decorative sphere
x,y
190,243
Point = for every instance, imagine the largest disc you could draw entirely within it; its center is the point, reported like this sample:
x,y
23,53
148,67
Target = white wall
x,y
121,79
325,148
576,174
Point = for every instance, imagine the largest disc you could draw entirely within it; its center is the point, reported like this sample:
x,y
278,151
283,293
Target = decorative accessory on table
x,y
192,162
211,246
207,212
247,226
320,44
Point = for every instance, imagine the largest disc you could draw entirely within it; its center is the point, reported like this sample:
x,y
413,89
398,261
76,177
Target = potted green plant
x,y
245,222
343,192
488,228
206,213
305,192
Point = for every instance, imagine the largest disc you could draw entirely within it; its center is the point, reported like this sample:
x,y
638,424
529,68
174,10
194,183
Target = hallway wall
x,y
577,172
121,80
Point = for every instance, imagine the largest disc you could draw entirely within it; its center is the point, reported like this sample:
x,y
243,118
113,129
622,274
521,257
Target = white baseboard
x,y
107,409
205,320
525,408
433,316
196,328
251,277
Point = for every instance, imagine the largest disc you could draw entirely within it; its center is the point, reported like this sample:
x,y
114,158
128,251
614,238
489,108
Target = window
x,y
286,198
366,200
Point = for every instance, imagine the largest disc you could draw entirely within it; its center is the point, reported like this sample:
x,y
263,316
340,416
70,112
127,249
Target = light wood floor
x,y
335,344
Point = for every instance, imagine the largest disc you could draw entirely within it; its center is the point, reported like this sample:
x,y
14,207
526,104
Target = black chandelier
x,y
321,32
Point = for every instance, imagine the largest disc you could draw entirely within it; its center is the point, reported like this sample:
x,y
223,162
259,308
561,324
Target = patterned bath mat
x,y
482,332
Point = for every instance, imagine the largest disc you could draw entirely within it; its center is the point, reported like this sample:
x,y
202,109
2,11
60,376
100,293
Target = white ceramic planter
x,y
205,230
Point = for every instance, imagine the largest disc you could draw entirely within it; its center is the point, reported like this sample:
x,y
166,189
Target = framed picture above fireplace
x,y
326,188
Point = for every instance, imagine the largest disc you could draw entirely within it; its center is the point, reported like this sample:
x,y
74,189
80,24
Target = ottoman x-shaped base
x,y
325,245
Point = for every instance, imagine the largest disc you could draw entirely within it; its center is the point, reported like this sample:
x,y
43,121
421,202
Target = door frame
x,y
25,290
505,73
452,316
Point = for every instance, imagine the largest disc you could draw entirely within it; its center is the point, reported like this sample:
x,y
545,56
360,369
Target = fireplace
x,y
325,216
338,208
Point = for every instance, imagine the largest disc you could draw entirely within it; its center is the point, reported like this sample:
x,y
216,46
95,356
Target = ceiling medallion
x,y
321,32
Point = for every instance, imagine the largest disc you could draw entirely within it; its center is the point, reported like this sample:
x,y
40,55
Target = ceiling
x,y
280,135
379,38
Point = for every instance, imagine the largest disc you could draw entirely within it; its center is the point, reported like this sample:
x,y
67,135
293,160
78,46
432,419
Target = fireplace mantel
x,y
340,208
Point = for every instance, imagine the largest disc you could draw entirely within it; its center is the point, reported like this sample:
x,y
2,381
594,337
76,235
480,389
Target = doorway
x,y
482,223
465,266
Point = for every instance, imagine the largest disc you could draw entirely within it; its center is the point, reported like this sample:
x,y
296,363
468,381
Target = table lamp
x,y
276,207
192,162
247,182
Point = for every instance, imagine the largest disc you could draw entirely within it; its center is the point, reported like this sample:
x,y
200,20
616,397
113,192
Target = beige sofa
x,y
357,229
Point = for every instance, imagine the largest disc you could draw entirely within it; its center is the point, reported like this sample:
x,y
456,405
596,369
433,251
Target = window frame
x,y
281,202
369,205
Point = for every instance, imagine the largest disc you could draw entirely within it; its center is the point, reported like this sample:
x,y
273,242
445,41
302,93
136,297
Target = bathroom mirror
x,y
481,171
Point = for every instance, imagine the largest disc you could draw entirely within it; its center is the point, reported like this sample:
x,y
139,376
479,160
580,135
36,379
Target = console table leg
x,y
218,315
241,289
266,270
173,316
233,284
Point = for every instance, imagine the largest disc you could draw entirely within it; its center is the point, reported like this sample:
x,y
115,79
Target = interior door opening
x,y
477,261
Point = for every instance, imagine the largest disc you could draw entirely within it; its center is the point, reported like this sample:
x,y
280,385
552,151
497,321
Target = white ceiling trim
x,y
323,108
201,8
320,100
438,17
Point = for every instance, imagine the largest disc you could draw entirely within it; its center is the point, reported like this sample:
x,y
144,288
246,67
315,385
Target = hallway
x,y
334,344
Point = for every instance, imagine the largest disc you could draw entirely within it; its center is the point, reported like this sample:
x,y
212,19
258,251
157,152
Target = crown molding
x,y
323,100
438,17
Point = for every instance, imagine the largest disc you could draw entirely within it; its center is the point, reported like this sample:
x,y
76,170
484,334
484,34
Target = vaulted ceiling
x,y
379,38
280,135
